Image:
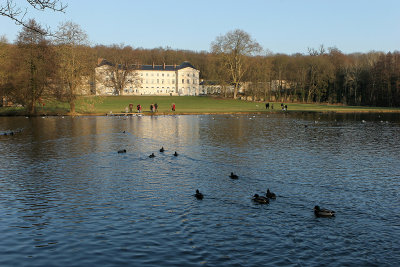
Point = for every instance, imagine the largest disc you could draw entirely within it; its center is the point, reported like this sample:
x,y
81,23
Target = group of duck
x,y
269,195
151,155
256,198
162,151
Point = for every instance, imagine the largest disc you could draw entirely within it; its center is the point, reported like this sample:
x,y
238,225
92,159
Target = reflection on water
x,y
68,198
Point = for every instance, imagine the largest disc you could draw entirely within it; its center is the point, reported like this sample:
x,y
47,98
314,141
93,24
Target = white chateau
x,y
150,80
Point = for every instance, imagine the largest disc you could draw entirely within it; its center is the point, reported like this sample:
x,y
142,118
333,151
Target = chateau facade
x,y
150,80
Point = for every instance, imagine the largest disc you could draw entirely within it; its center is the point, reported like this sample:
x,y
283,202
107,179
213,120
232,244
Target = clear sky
x,y
282,26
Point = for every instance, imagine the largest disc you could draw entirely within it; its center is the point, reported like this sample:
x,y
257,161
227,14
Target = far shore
x,y
39,114
185,105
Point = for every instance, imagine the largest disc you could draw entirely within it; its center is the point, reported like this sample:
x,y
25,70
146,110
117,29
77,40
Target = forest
x,y
37,66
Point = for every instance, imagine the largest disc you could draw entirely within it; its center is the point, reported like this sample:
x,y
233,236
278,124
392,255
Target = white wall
x,y
152,82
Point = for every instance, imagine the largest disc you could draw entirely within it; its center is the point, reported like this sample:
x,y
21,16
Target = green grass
x,y
184,105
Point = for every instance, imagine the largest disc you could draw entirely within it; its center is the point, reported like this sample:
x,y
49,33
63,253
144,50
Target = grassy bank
x,y
184,105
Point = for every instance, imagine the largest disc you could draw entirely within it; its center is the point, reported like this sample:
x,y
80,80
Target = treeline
x,y
34,67
371,79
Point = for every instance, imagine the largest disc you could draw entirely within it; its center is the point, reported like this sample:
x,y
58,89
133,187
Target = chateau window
x,y
158,74
162,74
183,80
167,74
147,74
188,81
162,81
188,74
158,81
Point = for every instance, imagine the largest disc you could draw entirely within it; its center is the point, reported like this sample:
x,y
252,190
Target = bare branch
x,y
16,13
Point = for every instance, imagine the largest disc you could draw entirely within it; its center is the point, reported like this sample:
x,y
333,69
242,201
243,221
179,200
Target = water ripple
x,y
67,198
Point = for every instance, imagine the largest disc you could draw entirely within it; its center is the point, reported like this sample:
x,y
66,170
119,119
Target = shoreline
x,y
186,105
204,113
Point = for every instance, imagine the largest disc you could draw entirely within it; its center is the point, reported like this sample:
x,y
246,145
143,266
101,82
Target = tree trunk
x,y
72,106
31,108
235,91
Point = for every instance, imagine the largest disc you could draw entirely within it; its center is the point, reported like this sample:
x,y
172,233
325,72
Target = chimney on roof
x,y
174,66
164,66
153,65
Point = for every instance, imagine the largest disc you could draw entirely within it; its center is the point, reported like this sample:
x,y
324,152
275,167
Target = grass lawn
x,y
101,105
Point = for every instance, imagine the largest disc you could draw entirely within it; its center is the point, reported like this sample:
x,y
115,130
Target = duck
x,y
260,199
270,194
122,151
323,212
162,149
198,195
175,154
152,155
233,176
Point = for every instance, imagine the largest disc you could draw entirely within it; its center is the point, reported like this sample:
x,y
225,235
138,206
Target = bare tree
x,y
4,58
18,13
73,62
121,70
234,47
31,68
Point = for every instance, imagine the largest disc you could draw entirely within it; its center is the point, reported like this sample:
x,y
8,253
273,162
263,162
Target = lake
x,y
67,198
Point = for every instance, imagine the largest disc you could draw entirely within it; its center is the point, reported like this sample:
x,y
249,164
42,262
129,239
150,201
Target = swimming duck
x,y
198,195
122,151
162,149
323,212
152,155
233,176
175,154
270,194
260,199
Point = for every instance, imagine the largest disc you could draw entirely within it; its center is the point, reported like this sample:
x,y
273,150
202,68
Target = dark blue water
x,y
67,198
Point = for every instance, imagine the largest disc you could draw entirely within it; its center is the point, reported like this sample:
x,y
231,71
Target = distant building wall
x,y
151,80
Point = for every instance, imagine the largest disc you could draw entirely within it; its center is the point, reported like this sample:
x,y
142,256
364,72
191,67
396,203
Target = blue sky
x,y
282,26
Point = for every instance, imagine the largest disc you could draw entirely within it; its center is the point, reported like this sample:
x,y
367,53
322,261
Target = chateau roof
x,y
185,64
